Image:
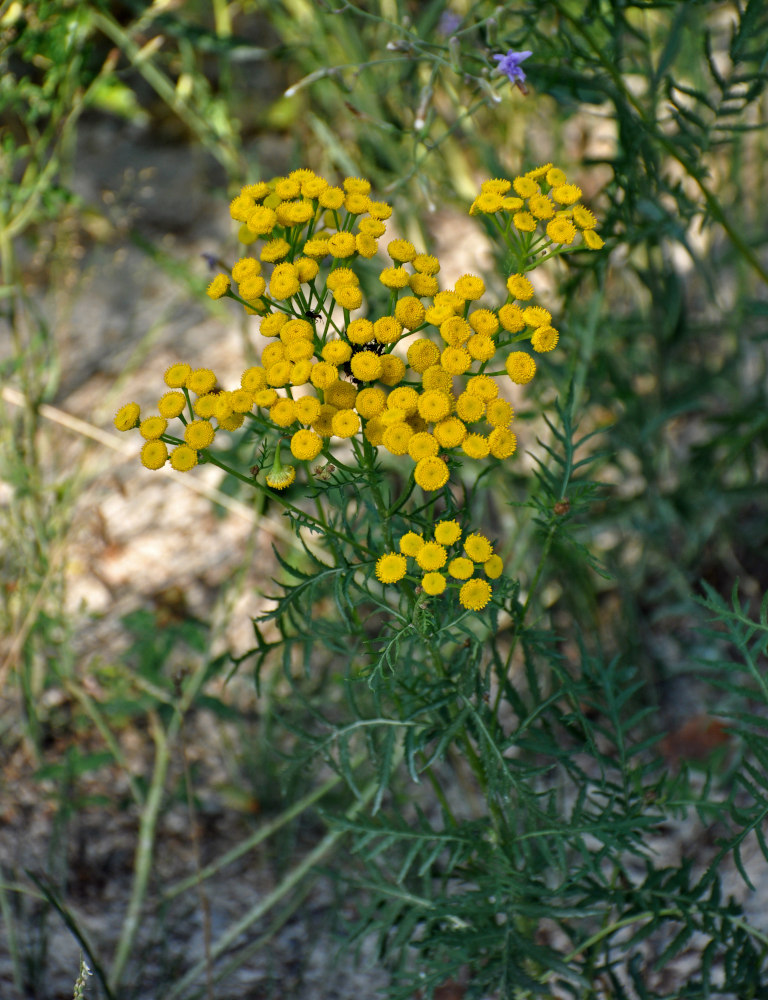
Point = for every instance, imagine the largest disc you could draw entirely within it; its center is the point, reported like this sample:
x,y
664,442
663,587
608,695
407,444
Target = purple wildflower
x,y
510,64
449,22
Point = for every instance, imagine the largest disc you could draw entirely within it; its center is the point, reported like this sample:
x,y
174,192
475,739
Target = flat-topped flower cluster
x,y
441,563
420,380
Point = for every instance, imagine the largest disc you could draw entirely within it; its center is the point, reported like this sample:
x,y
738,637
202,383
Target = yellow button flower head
x,y
349,297
323,375
554,175
306,268
497,185
261,220
370,402
511,317
478,548
423,285
218,287
396,437
494,567
475,594
487,202
583,218
405,398
252,287
437,379
422,354
371,227
387,330
431,473
331,197
483,321
337,352
476,446
356,185
341,394
561,230
520,367
171,404
541,207
263,398
524,221
545,339
592,240
401,251
525,187
324,423
499,413
513,204
275,250
537,316
307,409
410,543
433,584
233,422
298,350
300,372
394,277
356,204
447,532
392,369
455,360
279,374
317,247
483,387
434,405
271,325
360,331
287,187
306,445
241,206
176,376
431,556
152,428
481,347
374,431
366,366
566,194
422,445
342,245
284,282
461,568
438,314
470,287
183,458
283,412
379,210
154,454
426,264
127,417
450,432
246,267
345,423
198,434
241,400
519,287
470,407
391,567
455,331
295,213
410,312
201,381
366,245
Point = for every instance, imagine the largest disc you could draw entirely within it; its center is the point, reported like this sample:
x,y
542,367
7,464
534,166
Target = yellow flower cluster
x,y
442,561
541,203
424,379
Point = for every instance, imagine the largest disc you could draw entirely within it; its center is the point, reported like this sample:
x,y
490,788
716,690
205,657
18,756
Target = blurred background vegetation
x,y
657,109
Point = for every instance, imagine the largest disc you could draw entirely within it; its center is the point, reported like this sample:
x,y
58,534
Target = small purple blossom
x,y
211,260
510,64
449,22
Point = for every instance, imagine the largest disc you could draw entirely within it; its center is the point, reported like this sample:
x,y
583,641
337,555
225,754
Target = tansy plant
x,y
424,380
503,793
